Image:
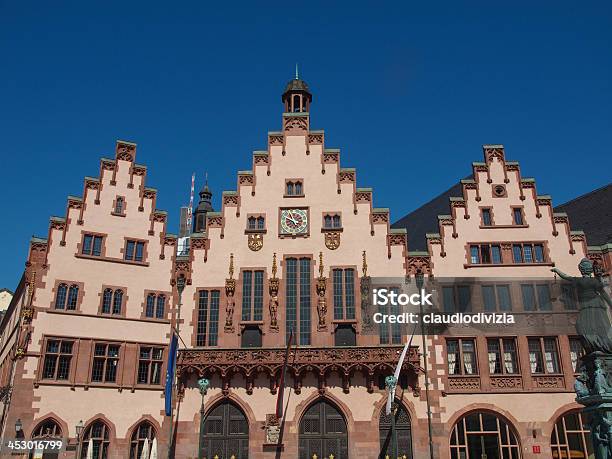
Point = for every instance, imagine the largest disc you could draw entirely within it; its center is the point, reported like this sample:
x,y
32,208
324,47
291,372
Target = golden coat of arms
x,y
255,242
332,240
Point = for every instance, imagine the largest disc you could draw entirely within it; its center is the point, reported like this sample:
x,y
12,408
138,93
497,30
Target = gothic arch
x,y
226,430
323,430
476,431
51,416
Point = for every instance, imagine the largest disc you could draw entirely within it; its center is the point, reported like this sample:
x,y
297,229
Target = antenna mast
x,y
190,208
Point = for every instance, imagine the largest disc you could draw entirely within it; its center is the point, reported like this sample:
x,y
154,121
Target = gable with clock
x,y
293,221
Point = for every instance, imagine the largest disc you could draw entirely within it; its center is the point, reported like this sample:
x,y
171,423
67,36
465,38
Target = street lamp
x,y
203,386
79,432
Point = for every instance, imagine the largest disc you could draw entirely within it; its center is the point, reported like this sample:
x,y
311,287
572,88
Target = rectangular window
x,y
207,326
134,250
298,299
486,217
528,253
474,255
461,357
503,357
457,298
576,351
485,254
105,362
518,216
344,293
58,356
92,245
529,301
496,298
252,295
538,253
517,253
543,355
390,333
150,363
496,254
568,296
536,297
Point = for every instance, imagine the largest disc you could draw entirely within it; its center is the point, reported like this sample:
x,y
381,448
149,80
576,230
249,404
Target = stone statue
x,y
593,325
600,382
581,385
274,310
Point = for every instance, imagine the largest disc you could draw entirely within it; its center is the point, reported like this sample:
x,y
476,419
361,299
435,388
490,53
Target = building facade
x,y
291,256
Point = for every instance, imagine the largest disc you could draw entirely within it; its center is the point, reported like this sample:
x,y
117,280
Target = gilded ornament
x,y
255,242
332,240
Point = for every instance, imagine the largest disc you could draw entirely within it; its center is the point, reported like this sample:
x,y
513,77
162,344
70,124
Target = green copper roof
x,y
245,172
418,254
364,190
229,193
444,217
397,231
432,235
75,198
38,239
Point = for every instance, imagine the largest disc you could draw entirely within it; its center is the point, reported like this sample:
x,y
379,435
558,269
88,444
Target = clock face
x,y
294,221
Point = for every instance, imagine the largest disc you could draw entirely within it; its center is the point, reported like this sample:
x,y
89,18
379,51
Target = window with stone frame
x,y
66,297
485,254
134,250
461,356
207,319
503,356
390,333
528,253
298,299
92,245
576,352
105,362
343,280
112,301
457,298
150,363
294,187
496,297
252,295
332,221
142,432
256,223
155,306
97,432
536,297
57,359
544,355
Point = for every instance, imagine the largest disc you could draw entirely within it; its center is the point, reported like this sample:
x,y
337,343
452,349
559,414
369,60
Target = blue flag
x,y
170,373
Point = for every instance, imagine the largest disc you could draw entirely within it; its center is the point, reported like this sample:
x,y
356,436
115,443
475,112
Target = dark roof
x,y
296,85
424,220
591,213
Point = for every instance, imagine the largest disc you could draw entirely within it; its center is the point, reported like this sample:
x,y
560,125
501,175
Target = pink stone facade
x,y
112,245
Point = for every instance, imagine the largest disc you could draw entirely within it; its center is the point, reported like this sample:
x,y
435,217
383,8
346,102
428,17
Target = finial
x,y
297,75
231,266
364,268
320,264
274,265
206,180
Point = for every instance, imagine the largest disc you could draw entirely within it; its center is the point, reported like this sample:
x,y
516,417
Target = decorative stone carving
x,y
346,176
295,123
380,217
363,197
506,382
230,289
272,428
370,361
331,158
365,288
464,383
332,240
273,289
125,151
230,200
321,302
315,139
275,139
255,241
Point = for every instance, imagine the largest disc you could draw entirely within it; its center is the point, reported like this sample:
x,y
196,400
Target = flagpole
x,y
180,286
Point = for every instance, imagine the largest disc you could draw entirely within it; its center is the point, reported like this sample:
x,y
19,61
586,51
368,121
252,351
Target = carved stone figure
x,y
274,310
600,382
593,325
321,303
229,310
581,385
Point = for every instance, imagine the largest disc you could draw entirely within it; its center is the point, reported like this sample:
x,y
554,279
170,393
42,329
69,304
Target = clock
x,y
294,221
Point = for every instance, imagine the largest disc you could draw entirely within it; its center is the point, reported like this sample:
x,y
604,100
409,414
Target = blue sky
x,y
408,90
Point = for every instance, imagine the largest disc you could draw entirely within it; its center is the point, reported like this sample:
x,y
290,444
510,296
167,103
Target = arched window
x,y
481,433
323,432
298,188
150,306
119,205
117,300
142,432
60,297
337,223
296,103
107,299
46,430
98,433
327,221
161,303
403,431
290,190
226,432
73,296
571,437
260,223
251,223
